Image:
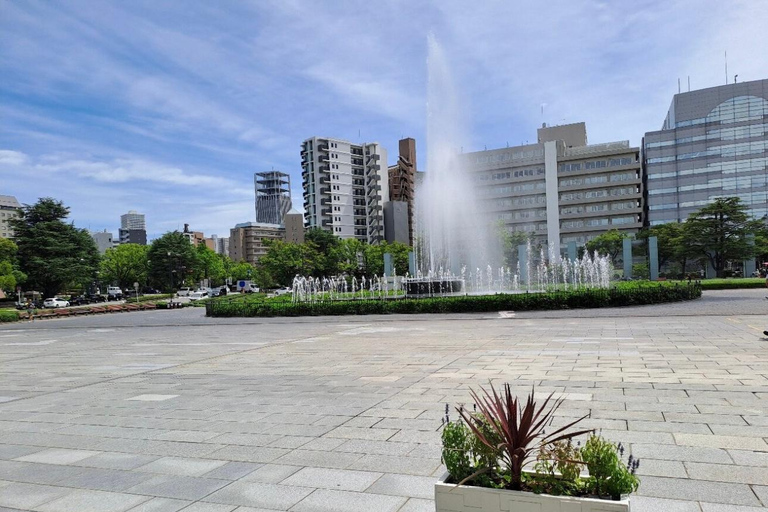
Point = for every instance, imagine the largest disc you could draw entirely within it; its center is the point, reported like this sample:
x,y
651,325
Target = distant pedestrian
x,y
30,311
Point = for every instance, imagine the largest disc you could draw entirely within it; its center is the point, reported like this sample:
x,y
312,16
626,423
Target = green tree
x,y
326,245
208,265
350,257
124,265
719,233
510,241
374,257
284,260
610,243
172,261
52,253
10,275
668,241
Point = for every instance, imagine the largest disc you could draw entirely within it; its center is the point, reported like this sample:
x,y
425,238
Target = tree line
x,y
50,255
718,234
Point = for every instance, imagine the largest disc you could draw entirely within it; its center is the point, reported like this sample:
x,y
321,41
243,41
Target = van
x,y
114,293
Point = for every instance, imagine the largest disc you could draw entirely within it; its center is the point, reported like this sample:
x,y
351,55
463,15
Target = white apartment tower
x,y
345,188
133,220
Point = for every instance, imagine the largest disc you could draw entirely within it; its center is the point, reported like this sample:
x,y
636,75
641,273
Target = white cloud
x,y
131,171
10,157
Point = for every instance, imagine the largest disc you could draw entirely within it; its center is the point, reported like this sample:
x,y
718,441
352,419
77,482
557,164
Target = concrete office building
x,y
714,143
397,222
561,188
247,241
9,209
273,196
133,236
294,226
344,187
104,240
402,187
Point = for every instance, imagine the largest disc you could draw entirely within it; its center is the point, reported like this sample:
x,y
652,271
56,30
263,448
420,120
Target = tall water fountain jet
x,y
451,229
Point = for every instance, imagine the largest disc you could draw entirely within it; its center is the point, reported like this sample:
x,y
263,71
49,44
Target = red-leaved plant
x,y
520,429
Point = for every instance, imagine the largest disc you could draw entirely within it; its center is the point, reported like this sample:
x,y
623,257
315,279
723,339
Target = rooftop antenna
x,y
678,86
726,68
689,83
735,77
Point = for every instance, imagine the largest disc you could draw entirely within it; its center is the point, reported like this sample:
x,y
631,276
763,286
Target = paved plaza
x,y
167,410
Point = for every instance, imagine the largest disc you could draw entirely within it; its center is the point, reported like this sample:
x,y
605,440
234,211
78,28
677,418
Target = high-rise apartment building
x,y
714,143
402,184
344,187
273,196
133,220
9,209
133,228
561,188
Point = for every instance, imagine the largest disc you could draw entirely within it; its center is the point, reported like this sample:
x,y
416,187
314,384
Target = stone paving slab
x,y
345,413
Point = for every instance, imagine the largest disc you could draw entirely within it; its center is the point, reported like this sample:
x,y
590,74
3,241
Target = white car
x,y
184,292
55,302
200,294
283,291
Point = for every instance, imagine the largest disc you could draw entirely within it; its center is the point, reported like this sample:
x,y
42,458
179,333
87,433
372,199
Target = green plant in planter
x,y
491,446
558,469
608,475
466,458
515,432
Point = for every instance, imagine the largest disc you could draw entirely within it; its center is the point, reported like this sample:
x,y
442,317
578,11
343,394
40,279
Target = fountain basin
x,y
433,286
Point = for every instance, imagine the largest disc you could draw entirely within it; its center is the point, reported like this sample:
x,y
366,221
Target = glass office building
x,y
713,144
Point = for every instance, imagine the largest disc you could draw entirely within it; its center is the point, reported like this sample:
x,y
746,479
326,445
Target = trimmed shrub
x,y
147,298
8,315
625,295
732,284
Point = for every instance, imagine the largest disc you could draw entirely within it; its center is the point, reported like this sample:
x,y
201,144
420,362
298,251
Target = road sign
x,y
136,285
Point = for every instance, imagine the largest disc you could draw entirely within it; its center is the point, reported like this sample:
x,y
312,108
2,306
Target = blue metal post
x,y
653,257
522,257
387,264
627,253
572,253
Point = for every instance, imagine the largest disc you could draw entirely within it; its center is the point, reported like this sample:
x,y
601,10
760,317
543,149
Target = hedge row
x,y
732,284
147,298
572,299
8,315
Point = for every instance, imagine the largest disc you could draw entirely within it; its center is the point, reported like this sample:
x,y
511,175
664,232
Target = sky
x,y
168,108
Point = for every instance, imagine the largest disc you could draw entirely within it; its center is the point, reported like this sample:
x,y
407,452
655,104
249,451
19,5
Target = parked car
x,y
95,297
79,300
283,291
213,292
200,294
150,291
55,302
184,292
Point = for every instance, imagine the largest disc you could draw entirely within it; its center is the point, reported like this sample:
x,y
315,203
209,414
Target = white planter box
x,y
466,498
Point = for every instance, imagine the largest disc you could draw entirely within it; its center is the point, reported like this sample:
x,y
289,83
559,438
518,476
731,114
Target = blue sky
x,y
169,107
